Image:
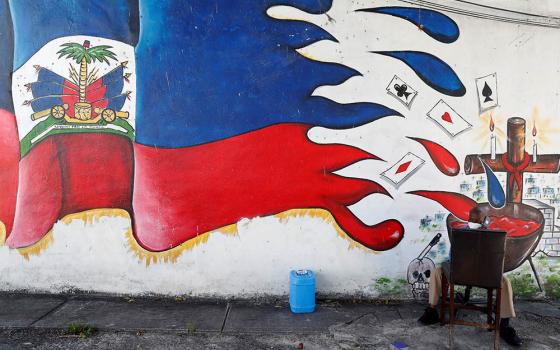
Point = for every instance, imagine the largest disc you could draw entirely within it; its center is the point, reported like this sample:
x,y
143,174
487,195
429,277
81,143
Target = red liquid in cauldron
x,y
513,226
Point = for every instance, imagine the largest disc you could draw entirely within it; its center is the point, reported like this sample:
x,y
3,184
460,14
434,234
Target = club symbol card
x,y
448,119
399,172
487,88
401,91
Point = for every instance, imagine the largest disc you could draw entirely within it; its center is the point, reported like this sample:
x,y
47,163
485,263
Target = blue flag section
x,y
53,19
6,56
241,63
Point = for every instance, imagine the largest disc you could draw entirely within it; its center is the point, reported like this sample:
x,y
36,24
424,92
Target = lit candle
x,y
534,143
492,140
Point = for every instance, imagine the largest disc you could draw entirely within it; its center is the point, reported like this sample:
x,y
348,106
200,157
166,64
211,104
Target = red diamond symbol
x,y
402,168
447,117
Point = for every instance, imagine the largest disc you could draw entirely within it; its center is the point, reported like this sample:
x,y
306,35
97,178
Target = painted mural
x,y
189,119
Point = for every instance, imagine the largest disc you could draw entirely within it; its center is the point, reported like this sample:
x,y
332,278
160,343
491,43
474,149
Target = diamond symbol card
x,y
403,169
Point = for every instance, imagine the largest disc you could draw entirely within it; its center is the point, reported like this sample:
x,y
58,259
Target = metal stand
x,y
535,273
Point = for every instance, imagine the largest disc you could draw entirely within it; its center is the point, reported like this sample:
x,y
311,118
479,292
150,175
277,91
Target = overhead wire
x,y
553,22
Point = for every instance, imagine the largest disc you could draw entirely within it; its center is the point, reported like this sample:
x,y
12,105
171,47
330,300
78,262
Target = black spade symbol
x,y
487,92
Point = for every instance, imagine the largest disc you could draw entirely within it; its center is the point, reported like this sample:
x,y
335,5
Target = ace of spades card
x,y
487,88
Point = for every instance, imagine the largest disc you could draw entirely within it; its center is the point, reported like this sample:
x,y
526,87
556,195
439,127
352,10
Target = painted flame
x,y
491,123
534,132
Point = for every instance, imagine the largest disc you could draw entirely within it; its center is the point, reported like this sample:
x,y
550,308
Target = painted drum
x,y
302,291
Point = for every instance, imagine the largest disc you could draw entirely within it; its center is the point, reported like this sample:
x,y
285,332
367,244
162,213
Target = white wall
x,y
257,259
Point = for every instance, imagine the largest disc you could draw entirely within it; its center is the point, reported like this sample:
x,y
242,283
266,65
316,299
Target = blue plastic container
x,y
302,291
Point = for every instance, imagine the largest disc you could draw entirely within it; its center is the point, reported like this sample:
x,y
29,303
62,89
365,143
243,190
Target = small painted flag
x,y
399,172
401,91
448,119
487,88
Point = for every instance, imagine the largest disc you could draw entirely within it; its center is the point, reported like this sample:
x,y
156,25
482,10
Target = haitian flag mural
x,y
108,144
173,121
214,129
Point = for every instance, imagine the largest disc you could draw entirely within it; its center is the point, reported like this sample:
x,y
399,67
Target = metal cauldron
x,y
518,249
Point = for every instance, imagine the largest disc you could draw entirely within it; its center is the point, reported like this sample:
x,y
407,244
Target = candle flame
x,y
534,130
491,123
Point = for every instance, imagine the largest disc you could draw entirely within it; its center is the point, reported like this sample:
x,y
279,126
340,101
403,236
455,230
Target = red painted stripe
x,y
67,174
444,160
180,193
39,196
9,160
458,204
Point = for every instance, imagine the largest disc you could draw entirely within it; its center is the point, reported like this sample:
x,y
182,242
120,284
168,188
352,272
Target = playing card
x,y
487,88
448,119
401,91
403,169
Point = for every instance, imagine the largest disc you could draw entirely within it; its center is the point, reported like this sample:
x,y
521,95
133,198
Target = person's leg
x,y
434,290
506,306
507,311
431,315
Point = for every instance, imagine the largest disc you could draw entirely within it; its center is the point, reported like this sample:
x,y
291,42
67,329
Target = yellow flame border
x,y
2,233
171,255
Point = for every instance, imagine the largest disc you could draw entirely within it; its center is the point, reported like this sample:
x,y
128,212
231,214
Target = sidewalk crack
x,y
358,318
228,308
49,312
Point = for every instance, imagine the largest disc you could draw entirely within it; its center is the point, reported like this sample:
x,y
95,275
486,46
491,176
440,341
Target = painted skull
x,y
418,274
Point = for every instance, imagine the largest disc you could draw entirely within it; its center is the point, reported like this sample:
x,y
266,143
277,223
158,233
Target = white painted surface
x,y
257,260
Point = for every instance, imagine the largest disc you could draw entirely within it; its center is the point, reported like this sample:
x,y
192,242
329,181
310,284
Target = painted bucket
x,y
302,291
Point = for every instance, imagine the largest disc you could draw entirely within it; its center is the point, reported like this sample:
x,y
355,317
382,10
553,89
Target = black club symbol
x,y
401,91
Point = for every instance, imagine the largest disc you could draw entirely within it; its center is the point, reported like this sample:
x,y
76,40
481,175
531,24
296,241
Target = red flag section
x,y
9,159
183,192
70,173
180,193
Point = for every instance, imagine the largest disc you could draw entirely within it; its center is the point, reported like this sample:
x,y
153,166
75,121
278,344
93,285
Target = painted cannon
x,y
60,112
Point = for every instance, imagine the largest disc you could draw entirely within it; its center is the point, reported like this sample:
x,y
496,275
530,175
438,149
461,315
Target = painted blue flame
x,y
435,24
433,71
496,195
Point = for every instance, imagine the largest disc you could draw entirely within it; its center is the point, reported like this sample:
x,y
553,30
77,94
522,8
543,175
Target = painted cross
x,y
516,161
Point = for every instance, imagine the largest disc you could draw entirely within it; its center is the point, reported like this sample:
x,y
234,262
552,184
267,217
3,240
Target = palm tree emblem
x,y
89,98
83,54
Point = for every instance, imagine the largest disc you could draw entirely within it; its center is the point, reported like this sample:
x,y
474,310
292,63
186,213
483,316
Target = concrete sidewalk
x,y
41,322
